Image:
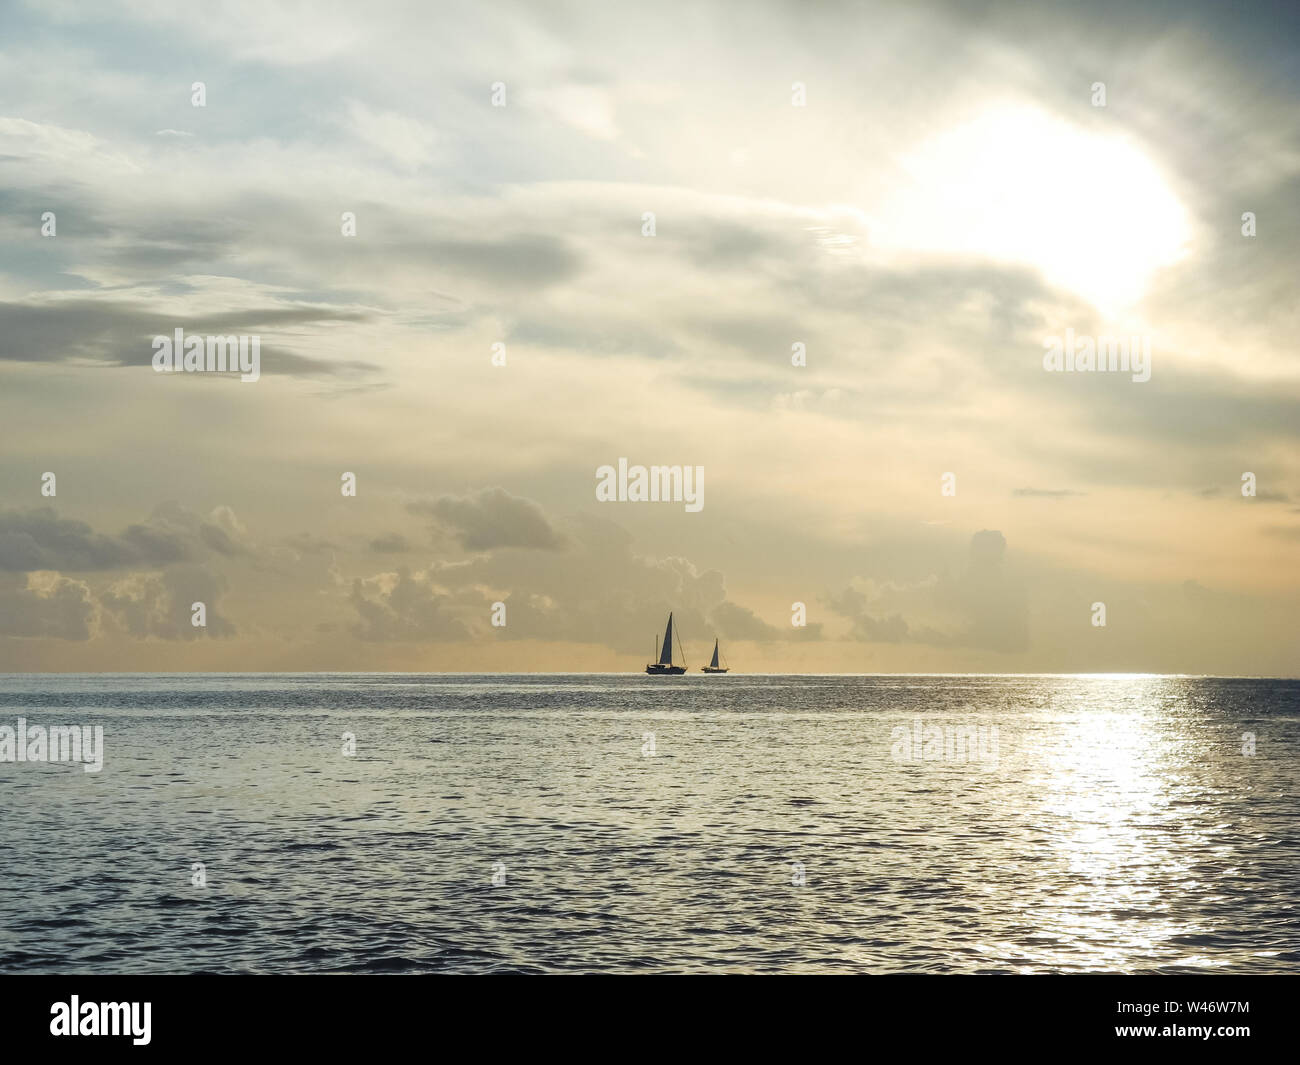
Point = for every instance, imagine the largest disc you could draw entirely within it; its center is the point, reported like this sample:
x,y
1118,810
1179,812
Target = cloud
x,y
160,605
597,591
44,145
310,544
219,540
404,606
740,623
153,603
399,138
40,540
120,333
981,607
587,108
46,605
853,604
992,601
491,519
526,260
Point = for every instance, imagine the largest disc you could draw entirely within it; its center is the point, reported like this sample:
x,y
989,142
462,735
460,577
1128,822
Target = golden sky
x,y
918,195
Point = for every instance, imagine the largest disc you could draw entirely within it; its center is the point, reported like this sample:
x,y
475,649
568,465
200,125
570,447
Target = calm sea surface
x,y
781,824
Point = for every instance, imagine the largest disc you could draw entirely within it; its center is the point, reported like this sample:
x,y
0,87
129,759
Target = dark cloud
x,y
397,239
405,607
160,605
310,544
40,540
740,623
219,540
57,608
598,591
121,333
713,244
892,629
492,518
529,260
852,603
1207,409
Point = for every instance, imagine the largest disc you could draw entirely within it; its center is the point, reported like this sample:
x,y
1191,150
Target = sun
x,y
1090,211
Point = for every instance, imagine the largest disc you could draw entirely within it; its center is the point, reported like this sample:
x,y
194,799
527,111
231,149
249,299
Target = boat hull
x,y
656,670
712,669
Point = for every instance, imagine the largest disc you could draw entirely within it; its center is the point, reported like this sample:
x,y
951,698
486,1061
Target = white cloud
x,y
404,140
587,108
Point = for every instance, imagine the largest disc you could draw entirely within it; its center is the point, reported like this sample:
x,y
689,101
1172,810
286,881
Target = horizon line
x,y
1109,674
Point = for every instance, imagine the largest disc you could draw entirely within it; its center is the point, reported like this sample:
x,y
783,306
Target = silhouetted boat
x,y
713,666
664,667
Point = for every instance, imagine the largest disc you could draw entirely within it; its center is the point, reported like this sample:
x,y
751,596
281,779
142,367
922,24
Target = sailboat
x,y
664,667
713,666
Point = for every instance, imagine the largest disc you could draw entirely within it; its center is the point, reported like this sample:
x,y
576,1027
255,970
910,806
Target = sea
x,y
595,823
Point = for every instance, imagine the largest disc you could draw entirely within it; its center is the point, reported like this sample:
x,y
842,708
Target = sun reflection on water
x,y
1113,788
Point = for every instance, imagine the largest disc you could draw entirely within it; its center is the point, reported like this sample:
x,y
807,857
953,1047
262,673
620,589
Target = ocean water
x,y
599,823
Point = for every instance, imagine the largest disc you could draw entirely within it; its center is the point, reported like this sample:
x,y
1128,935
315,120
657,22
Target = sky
x,y
818,251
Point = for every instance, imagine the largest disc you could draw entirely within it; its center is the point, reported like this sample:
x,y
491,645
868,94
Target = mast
x,y
714,663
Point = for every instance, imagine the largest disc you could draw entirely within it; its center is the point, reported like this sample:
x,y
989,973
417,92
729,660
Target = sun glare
x,y
1090,211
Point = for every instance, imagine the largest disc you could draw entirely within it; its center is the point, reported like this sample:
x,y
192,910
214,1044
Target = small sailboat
x,y
713,666
664,667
